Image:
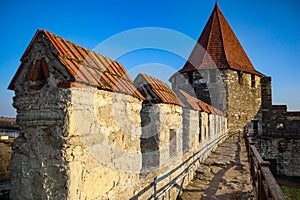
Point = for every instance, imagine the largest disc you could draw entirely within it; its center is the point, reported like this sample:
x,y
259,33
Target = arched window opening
x,y
38,74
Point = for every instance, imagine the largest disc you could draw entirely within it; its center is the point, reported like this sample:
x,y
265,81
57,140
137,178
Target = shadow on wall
x,y
170,154
150,138
185,130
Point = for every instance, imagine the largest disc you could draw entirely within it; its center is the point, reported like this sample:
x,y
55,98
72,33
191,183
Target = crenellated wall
x,y
86,132
279,143
86,143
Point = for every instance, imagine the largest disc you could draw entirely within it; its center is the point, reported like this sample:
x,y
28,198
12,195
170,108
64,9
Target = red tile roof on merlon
x,y
147,84
85,66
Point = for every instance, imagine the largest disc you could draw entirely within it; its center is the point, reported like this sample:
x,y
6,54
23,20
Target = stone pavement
x,y
224,175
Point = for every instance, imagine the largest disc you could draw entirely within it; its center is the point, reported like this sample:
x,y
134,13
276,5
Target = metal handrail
x,y
159,193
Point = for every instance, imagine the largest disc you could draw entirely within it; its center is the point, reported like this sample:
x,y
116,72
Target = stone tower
x,y
220,73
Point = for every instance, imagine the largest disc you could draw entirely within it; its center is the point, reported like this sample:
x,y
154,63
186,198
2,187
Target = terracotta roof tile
x,y
218,47
87,67
147,84
197,104
8,123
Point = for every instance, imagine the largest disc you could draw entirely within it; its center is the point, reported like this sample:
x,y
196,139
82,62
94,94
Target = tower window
x,y
252,80
241,78
174,80
196,78
212,77
186,78
190,76
206,76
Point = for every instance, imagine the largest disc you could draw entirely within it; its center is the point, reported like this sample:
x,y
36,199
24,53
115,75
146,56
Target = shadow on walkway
x,y
228,175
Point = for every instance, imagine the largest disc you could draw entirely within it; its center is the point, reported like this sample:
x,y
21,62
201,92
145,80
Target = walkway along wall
x,y
92,135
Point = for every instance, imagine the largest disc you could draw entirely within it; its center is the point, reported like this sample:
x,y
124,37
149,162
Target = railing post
x,y
154,188
250,142
261,190
252,169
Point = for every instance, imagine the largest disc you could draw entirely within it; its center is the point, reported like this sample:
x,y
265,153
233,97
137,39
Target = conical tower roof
x,y
218,47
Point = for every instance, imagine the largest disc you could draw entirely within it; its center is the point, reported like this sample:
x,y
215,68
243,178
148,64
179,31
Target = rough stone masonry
x,y
87,132
80,141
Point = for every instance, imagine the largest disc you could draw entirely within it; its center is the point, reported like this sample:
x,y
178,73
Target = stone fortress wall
x,y
87,131
247,101
237,94
78,141
279,142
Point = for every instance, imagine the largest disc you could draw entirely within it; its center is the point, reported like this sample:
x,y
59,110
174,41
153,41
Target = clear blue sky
x,y
268,30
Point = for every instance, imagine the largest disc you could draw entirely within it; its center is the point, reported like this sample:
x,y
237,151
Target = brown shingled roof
x,y
86,67
8,123
218,47
147,84
197,104
293,113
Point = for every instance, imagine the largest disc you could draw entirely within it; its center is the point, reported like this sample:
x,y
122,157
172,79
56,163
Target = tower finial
x,y
216,3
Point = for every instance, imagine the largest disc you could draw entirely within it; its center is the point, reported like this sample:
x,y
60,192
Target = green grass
x,y
5,157
290,193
